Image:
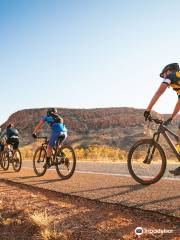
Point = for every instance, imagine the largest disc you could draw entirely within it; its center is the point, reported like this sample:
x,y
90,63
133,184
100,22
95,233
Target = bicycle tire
x,y
17,169
39,173
73,166
163,158
4,161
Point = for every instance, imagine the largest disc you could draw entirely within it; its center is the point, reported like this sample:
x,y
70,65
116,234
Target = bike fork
x,y
150,152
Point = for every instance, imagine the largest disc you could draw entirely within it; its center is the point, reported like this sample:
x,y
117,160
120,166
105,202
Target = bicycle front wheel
x,y
39,159
65,162
17,161
146,161
4,160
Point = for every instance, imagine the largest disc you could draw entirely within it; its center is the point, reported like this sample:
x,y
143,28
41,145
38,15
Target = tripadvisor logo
x,y
138,231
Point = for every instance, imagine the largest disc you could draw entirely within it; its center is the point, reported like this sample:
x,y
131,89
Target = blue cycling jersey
x,y
56,127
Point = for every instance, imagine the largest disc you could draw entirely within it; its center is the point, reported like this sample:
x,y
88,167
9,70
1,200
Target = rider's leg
x,y
176,171
7,146
178,142
51,144
49,151
15,144
62,138
179,134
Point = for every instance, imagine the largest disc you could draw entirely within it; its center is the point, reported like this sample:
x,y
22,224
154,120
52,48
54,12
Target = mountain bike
x,y
63,158
11,156
146,158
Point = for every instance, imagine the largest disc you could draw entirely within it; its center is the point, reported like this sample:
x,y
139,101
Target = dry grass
x,y
91,153
101,153
22,224
46,224
28,150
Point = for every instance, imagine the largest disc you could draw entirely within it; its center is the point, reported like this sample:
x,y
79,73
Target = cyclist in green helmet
x,y
171,78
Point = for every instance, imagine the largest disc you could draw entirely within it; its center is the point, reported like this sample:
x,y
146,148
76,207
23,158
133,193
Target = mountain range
x,y
115,127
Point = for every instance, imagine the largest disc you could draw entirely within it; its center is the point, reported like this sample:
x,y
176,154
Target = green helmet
x,y
171,67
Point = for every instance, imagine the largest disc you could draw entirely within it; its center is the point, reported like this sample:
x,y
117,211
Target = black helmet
x,y
171,67
50,111
10,125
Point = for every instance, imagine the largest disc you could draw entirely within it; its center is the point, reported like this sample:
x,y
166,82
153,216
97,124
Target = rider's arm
x,y
157,95
39,126
176,109
61,119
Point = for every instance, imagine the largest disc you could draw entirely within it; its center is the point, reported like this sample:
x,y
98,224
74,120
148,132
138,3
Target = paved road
x,y
109,183
119,169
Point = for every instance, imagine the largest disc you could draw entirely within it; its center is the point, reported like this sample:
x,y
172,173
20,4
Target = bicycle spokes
x,y
65,162
146,162
17,161
149,156
39,161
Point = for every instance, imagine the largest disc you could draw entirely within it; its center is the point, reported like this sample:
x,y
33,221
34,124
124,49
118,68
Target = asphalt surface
x,y
108,182
116,168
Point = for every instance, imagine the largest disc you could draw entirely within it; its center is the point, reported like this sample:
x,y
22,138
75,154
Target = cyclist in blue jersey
x,y
54,120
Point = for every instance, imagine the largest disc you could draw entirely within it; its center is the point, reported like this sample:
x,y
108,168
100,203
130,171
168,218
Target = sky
x,y
86,54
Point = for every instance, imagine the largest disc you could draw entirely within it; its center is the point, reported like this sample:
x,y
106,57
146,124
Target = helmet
x,y
10,125
50,111
171,67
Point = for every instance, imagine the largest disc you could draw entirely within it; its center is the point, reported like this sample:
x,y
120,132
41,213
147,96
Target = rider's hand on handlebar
x,y
147,115
168,121
34,135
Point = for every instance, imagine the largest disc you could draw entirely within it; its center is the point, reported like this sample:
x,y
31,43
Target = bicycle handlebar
x,y
156,120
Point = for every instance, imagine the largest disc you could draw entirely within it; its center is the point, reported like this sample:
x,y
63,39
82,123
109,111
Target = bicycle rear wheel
x,y
17,161
65,162
39,159
4,160
146,161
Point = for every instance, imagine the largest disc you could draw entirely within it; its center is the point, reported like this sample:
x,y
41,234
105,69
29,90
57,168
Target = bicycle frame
x,y
164,131
45,143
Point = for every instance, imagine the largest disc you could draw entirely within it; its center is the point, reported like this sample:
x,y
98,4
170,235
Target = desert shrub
x,y
96,152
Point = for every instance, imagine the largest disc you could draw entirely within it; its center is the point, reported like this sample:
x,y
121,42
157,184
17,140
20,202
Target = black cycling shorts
x,y
14,142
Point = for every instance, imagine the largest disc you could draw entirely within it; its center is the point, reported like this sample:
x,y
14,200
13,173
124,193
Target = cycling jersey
x,y
56,127
173,80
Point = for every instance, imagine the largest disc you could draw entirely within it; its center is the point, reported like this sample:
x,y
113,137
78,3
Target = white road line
x,y
112,174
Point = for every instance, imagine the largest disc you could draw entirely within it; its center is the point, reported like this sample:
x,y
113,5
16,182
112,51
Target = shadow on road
x,y
39,181
48,181
131,188
27,177
5,172
136,186
158,200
